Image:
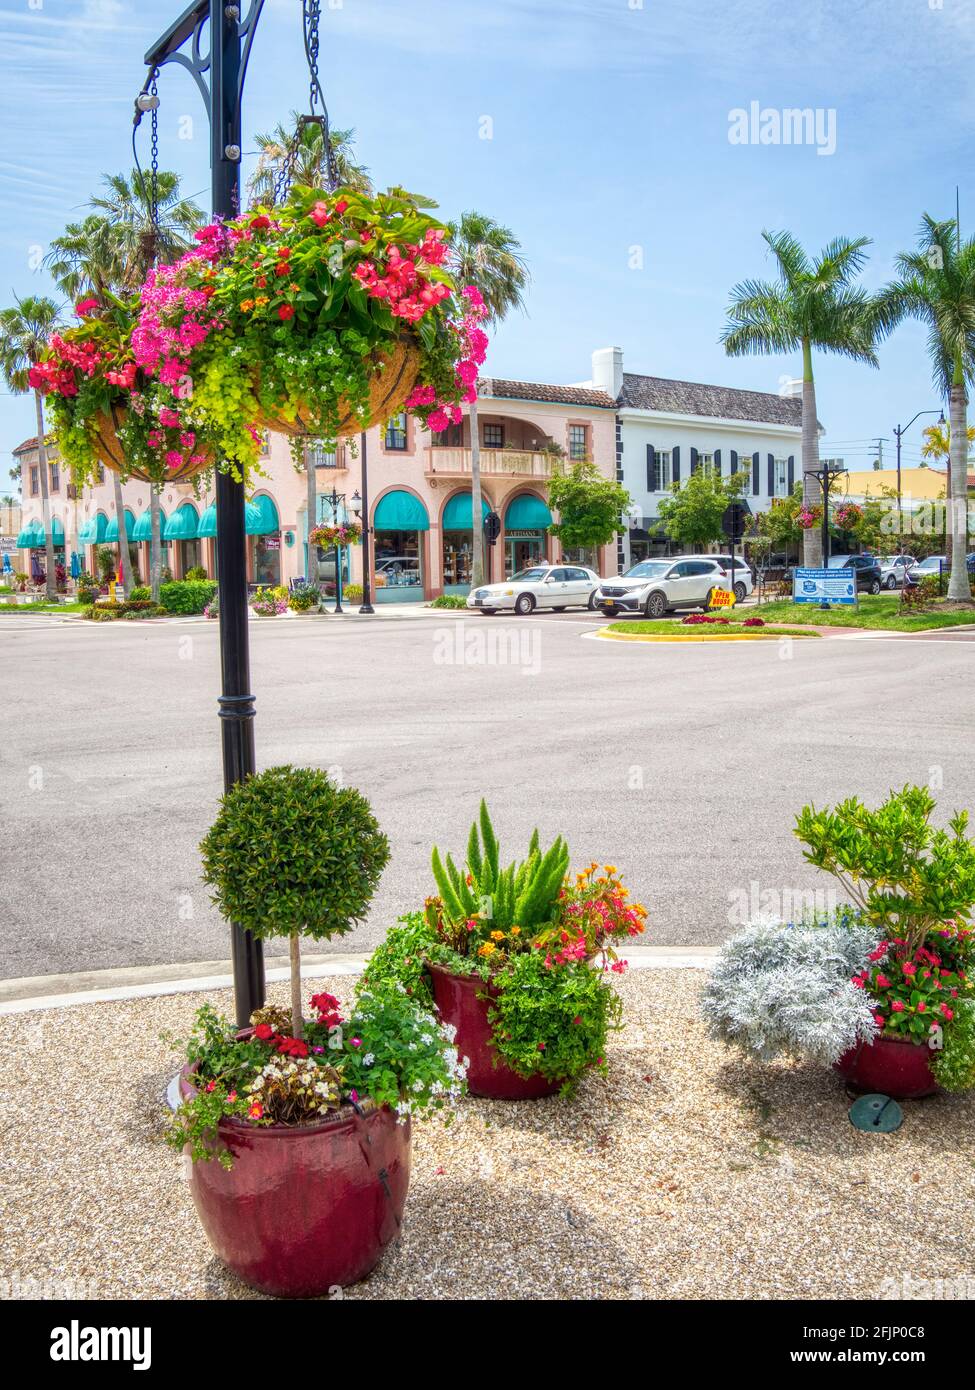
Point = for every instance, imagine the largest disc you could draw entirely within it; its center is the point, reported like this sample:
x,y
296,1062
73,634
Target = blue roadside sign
x,y
824,586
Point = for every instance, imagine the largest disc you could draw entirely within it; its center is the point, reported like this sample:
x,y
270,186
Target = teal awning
x,y
32,536
253,521
459,512
527,513
93,530
269,524
111,530
401,511
183,524
142,531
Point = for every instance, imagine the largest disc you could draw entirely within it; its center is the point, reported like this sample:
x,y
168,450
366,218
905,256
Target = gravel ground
x,y
688,1173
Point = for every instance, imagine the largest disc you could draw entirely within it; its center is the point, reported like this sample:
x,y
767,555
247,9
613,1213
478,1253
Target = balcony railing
x,y
334,458
514,463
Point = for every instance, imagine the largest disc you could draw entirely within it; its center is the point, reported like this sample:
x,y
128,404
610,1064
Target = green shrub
x,y
303,597
140,593
187,596
195,573
954,1065
353,592
134,608
449,601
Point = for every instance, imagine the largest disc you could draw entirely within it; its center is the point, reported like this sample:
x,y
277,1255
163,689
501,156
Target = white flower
x,y
368,1059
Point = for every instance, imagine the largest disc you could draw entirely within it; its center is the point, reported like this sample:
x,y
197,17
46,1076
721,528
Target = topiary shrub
x,y
187,596
291,854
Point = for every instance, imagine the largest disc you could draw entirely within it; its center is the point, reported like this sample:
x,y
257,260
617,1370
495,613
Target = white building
x,y
667,429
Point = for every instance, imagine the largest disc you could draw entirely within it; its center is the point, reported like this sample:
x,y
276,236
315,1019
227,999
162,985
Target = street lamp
x,y
825,476
333,500
898,431
225,59
366,604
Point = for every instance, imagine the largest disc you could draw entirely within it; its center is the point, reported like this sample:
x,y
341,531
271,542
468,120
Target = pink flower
x,y
86,306
356,1042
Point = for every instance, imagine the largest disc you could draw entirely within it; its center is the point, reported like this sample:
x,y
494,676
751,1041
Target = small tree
x,y
692,515
590,506
291,854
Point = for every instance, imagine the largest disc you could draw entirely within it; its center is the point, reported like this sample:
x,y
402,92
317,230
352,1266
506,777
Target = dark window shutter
x,y
756,475
771,475
717,462
675,464
792,472
653,470
693,460
734,462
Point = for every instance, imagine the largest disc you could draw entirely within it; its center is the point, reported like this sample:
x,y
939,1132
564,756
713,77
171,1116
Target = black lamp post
x,y
898,431
366,604
230,41
825,476
333,499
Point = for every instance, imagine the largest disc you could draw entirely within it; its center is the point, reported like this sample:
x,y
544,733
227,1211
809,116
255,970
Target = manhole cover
x,y
877,1114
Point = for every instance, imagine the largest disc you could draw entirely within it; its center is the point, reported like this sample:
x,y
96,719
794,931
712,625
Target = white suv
x,y
654,587
743,575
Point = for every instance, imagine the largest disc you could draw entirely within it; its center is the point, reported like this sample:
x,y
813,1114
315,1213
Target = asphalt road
x,y
683,765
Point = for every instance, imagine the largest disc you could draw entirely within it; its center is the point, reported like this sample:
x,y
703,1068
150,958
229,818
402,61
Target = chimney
x,y
607,370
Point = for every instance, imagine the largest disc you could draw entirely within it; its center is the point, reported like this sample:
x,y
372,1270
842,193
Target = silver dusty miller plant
x,y
782,988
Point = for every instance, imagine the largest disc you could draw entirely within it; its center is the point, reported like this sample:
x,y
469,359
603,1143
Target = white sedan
x,y
540,586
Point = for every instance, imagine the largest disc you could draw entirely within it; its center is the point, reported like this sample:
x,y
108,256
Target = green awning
x,y
142,531
459,512
253,522
183,525
401,511
111,530
32,536
269,524
527,513
93,530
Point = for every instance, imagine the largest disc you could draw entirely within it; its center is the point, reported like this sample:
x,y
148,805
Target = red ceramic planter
x,y
305,1209
891,1067
458,1003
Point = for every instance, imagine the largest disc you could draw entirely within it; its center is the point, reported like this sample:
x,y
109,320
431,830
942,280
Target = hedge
x,y
187,595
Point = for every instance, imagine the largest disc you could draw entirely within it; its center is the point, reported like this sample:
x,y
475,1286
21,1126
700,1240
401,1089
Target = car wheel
x,y
592,605
524,604
875,586
655,606
891,581
740,593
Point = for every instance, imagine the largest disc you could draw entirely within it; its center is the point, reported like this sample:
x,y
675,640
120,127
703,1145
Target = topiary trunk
x,y
297,1023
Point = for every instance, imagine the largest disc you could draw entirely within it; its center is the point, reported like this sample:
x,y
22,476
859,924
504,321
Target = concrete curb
x,y
45,992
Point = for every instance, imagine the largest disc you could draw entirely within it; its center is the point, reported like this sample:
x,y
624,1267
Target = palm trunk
x,y
297,1024
125,560
50,581
959,586
812,540
948,546
155,544
477,529
312,504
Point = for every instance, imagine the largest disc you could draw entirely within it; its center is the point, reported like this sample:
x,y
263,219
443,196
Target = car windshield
x,y
536,573
648,569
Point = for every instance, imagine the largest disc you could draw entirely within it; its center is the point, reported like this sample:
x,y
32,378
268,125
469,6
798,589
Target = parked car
x,y
743,576
397,571
867,568
540,586
894,569
654,587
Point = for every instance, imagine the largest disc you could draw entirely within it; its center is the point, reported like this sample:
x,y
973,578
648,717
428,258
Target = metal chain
x,y
154,181
311,17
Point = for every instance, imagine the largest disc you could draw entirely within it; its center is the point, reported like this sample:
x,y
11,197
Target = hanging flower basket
x,y
345,533
393,376
110,450
809,517
848,516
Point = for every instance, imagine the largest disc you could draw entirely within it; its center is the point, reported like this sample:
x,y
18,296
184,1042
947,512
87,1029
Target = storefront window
x,y
457,557
398,572
267,559
189,555
521,549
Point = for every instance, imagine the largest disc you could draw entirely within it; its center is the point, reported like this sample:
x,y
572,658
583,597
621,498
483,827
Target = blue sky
x,y
609,125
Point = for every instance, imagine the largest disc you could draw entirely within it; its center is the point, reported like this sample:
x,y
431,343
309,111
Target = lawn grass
x,y
673,627
883,611
41,607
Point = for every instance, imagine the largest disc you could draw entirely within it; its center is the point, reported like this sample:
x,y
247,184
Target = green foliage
x,y
449,601
352,592
907,877
398,960
402,1057
107,562
954,1065
692,514
590,506
140,593
552,1020
522,894
109,612
196,572
291,852
303,597
187,596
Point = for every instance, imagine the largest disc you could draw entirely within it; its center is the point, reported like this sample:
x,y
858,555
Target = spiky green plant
x,y
522,894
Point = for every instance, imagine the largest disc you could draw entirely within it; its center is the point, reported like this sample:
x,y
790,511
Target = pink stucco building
x,y
418,488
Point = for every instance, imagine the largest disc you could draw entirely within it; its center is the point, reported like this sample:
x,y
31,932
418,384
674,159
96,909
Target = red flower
x,y
882,982
282,268
293,1047
260,223
897,1006
231,1096
256,1110
264,1032
946,1013
286,311
86,306
340,206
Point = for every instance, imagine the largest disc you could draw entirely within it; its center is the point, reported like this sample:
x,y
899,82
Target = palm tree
x,y
113,249
310,168
936,285
24,331
937,445
488,256
812,305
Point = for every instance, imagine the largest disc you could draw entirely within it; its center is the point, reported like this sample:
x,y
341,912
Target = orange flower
x,y
497,936
246,305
